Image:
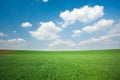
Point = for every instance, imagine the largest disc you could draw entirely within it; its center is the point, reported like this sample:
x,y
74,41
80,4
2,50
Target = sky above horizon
x,y
59,24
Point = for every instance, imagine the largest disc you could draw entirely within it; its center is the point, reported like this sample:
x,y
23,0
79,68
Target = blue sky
x,y
59,24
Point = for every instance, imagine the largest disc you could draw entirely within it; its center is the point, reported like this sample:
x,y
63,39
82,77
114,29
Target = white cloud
x,y
62,45
98,26
26,24
18,43
110,40
76,33
101,42
45,0
47,31
95,41
115,30
2,34
84,14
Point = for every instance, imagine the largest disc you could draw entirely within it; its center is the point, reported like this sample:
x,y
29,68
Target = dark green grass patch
x,y
60,65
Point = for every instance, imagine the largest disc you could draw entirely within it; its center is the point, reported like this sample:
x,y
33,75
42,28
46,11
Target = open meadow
x,y
60,65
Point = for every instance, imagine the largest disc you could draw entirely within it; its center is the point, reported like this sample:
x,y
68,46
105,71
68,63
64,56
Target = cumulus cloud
x,y
46,31
84,15
76,33
98,26
26,24
61,45
110,40
17,43
2,34
45,0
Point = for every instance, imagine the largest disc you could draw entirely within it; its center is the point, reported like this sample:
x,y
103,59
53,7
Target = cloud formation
x,y
18,43
102,24
76,33
61,45
26,24
84,15
53,34
45,0
46,31
110,40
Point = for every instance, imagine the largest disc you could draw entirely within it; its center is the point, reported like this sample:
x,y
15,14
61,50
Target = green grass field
x,y
60,65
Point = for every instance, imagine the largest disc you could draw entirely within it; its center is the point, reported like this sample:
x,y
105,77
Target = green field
x,y
60,65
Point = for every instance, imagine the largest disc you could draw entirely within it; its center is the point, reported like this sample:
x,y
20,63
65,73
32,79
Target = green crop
x,y
60,65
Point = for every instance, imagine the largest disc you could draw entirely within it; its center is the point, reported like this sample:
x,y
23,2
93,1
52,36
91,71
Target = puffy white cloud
x,y
47,31
26,24
62,45
45,0
2,34
18,43
84,14
76,33
98,26
110,40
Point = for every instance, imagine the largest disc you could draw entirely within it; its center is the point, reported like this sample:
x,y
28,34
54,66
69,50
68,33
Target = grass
x,y
60,65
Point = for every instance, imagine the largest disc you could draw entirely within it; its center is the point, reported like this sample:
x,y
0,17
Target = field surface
x,y
60,65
